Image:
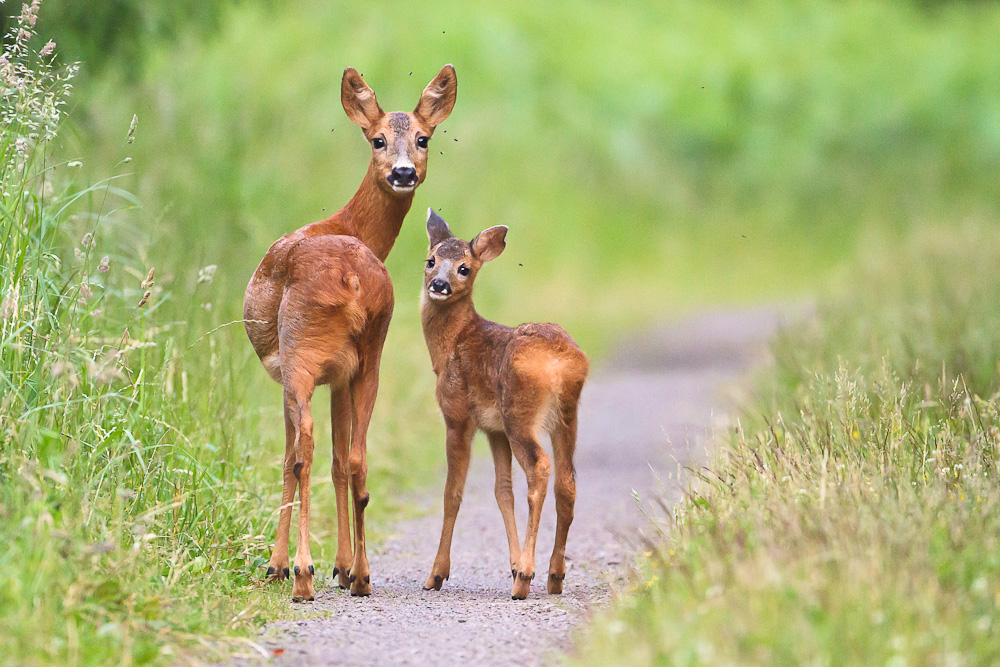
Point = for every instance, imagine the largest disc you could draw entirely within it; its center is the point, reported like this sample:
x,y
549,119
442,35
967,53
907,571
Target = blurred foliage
x,y
116,33
695,151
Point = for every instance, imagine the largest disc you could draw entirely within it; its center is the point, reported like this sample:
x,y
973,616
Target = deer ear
x,y
437,228
489,243
359,100
438,98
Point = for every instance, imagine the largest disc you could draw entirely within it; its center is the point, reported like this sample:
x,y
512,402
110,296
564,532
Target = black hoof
x,y
336,571
270,572
368,579
286,573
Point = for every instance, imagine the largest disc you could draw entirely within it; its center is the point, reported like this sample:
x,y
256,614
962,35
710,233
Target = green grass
x,y
851,515
648,161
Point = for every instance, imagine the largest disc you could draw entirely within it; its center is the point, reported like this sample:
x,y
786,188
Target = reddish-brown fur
x,y
516,384
317,310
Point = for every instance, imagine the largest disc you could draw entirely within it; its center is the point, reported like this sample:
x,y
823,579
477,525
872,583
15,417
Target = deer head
x,y
399,139
452,264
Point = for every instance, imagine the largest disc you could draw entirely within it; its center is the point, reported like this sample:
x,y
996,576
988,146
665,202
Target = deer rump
x,y
333,288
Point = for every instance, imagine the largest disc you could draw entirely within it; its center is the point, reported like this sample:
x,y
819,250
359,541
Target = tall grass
x,y
129,511
852,515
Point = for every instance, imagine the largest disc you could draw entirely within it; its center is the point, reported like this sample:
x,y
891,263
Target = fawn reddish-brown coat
x,y
514,383
317,310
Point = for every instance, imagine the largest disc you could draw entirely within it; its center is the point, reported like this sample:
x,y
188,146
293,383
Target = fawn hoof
x,y
434,582
302,585
361,586
522,585
555,583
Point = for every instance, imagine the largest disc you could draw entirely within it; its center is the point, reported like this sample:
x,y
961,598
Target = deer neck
x,y
376,216
444,324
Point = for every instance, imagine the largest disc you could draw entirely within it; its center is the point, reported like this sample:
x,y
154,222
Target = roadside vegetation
x,y
649,160
851,514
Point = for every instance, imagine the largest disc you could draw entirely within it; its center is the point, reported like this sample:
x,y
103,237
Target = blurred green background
x,y
650,160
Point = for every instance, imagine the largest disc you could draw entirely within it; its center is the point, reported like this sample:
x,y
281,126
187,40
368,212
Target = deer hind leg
x,y
563,448
459,445
535,462
340,419
277,567
504,491
298,395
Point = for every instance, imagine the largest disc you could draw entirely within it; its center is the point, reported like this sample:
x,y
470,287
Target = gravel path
x,y
646,408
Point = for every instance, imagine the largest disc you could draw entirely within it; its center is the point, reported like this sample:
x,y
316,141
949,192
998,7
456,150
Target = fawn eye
x,y
430,263
423,141
378,142
463,270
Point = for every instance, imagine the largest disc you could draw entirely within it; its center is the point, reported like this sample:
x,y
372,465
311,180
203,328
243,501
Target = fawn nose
x,y
403,177
440,287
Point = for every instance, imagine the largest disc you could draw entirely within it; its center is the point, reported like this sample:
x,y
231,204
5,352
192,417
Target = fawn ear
x,y
438,98
437,228
359,100
489,243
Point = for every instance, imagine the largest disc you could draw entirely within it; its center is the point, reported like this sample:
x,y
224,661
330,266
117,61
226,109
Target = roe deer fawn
x,y
317,310
514,383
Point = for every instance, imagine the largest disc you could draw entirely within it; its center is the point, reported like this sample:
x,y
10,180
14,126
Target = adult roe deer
x,y
317,310
514,383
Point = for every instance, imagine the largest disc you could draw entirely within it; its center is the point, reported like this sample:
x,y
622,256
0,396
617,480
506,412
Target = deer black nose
x,y
403,176
440,286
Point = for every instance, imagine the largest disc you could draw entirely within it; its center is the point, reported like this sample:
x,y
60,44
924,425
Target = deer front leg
x,y
459,445
535,462
297,399
340,420
277,567
504,492
364,389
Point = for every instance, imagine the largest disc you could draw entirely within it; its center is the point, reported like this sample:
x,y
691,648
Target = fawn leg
x,y
563,448
340,420
504,491
298,395
277,567
459,445
535,462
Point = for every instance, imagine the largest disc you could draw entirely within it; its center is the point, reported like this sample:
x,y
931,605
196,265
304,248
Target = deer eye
x,y
378,142
430,263
463,270
423,141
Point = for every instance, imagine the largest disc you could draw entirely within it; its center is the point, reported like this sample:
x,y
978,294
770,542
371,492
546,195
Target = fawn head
x,y
399,139
452,264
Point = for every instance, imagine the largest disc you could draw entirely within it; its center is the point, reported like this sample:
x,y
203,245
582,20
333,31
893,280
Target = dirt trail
x,y
647,407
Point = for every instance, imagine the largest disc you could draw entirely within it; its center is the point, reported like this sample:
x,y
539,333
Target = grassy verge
x,y
130,510
852,517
